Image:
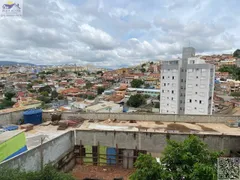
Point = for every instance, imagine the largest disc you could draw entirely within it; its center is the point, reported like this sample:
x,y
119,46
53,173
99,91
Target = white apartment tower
x,y
187,85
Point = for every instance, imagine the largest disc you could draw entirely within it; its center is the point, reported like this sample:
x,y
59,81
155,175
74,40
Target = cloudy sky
x,y
118,33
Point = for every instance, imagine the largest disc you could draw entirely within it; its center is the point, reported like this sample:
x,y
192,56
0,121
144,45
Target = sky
x,y
118,33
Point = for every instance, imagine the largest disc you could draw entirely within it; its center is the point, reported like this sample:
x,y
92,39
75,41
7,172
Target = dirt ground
x,y
100,172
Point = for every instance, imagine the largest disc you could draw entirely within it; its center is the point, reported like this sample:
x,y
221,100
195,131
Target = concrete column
x,y
128,158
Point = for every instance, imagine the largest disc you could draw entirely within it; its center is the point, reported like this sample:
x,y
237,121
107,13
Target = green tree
x,y
45,88
143,70
42,77
100,90
54,94
6,104
157,105
136,83
236,95
236,53
147,86
29,86
44,99
136,100
90,97
232,70
189,160
88,85
147,168
44,93
9,95
99,72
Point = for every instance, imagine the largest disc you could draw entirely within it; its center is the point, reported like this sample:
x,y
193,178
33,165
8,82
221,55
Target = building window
x,y
168,77
172,98
180,108
163,77
200,102
181,80
163,91
196,84
180,101
164,84
195,92
173,77
190,100
195,100
197,77
195,108
172,92
167,104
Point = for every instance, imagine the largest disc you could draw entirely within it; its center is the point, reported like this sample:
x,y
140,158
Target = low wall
x,y
152,142
147,117
59,150
52,151
11,117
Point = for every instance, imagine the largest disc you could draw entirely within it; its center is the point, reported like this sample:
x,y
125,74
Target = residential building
x,y
150,92
105,107
187,85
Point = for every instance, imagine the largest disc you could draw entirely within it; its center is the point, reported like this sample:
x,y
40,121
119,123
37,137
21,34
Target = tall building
x,y
187,85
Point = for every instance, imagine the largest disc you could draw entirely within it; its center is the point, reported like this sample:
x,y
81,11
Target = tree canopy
x,y
100,90
232,70
188,160
136,100
136,83
45,88
236,95
54,94
236,53
9,95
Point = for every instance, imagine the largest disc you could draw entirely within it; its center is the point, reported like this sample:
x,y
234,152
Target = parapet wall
x,y
15,116
147,117
11,117
153,142
56,149
50,151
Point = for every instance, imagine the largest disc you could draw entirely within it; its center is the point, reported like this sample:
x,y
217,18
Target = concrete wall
x,y
53,150
151,142
11,118
60,148
147,116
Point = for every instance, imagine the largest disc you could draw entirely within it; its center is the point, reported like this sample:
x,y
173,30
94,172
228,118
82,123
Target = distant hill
x,y
12,63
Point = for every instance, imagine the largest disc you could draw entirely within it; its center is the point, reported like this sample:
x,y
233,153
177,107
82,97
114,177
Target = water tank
x,y
33,116
111,155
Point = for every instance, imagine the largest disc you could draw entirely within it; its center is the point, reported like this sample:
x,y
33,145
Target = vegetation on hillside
x,y
233,70
188,160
